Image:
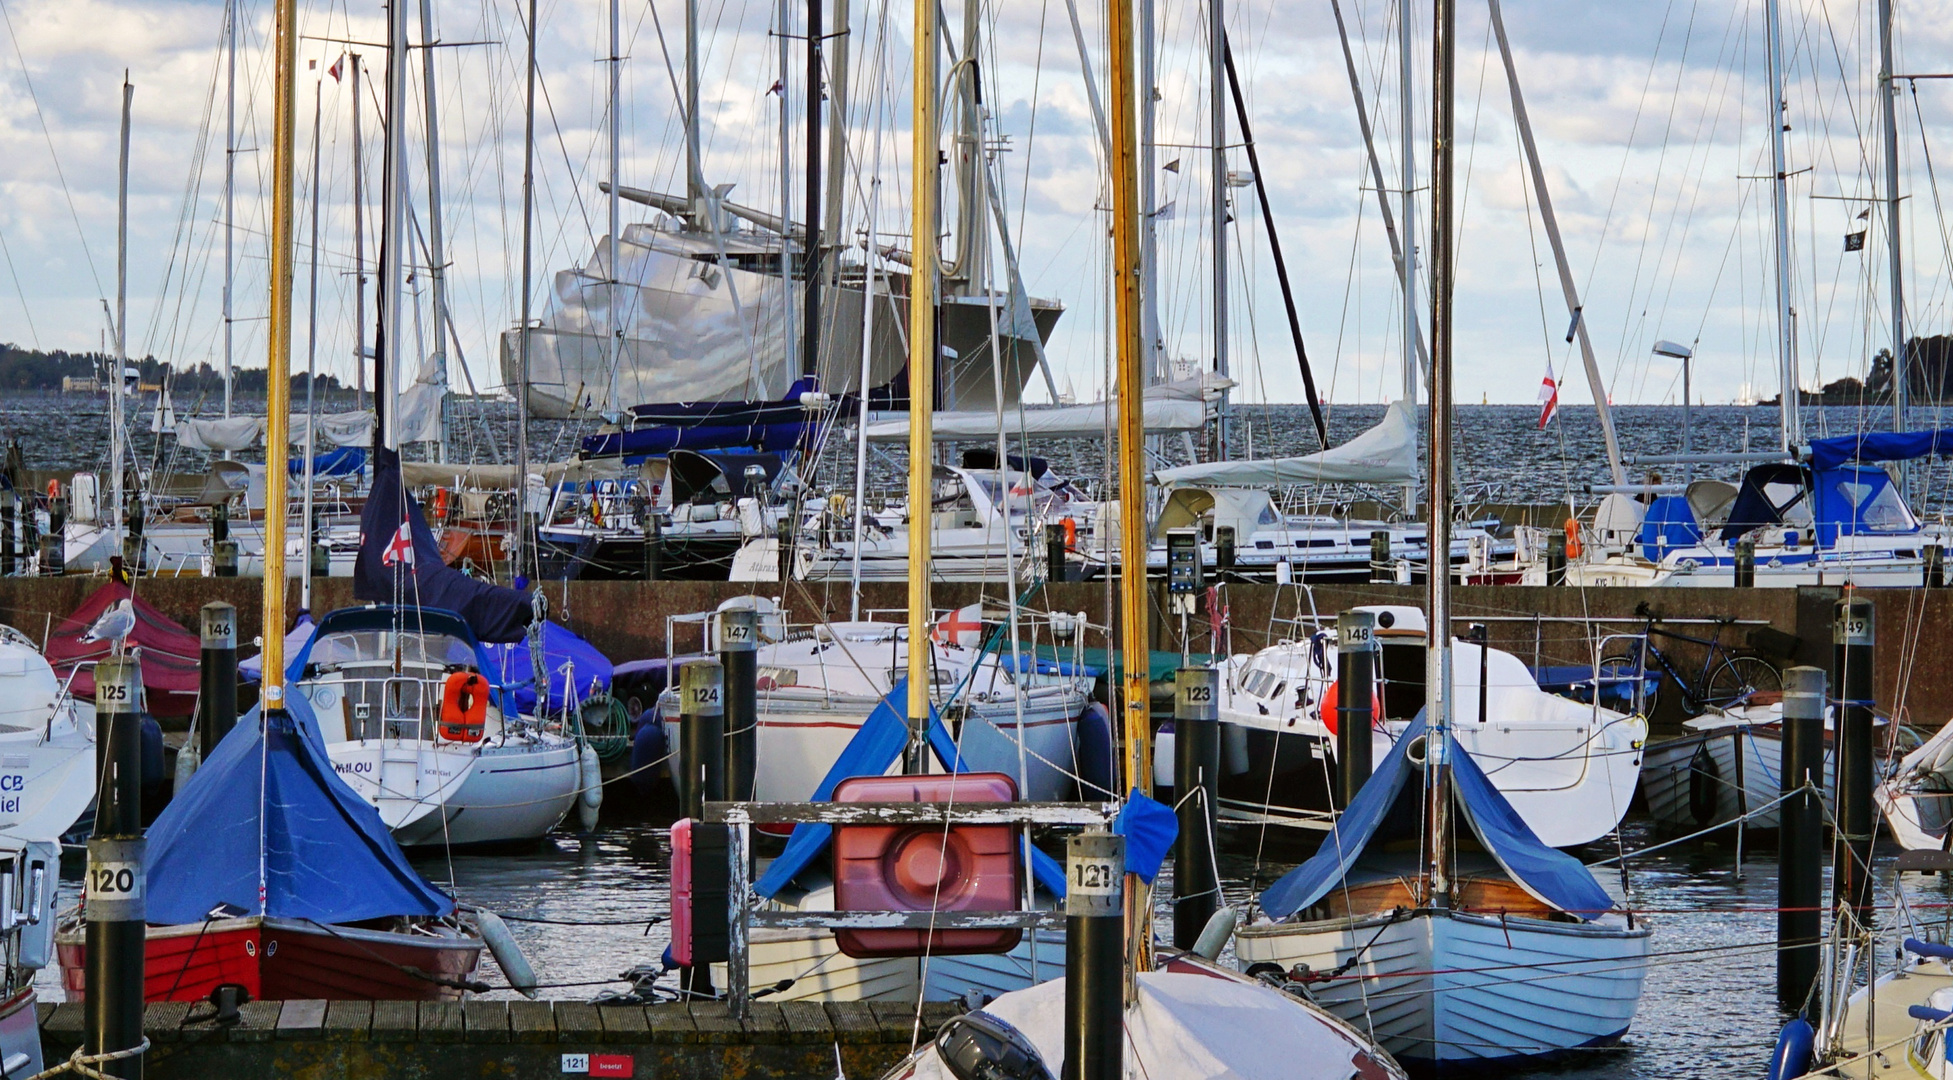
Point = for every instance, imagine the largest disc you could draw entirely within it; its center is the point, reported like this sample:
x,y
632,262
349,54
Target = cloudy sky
x,y
1651,117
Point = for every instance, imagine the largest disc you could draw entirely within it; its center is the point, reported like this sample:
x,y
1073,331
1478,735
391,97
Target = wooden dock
x,y
511,1040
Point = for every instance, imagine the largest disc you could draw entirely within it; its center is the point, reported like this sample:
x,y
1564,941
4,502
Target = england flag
x,y
1549,396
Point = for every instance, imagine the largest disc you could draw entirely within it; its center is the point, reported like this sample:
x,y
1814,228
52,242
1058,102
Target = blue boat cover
x,y
1754,507
251,668
1390,807
875,746
1150,827
399,563
402,620
775,426
1670,523
1880,446
326,856
562,649
1850,500
340,461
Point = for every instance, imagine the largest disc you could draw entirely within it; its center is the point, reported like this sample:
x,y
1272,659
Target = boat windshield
x,y
375,646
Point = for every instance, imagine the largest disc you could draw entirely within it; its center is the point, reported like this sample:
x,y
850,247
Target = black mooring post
x,y
223,558
9,510
1556,559
1746,563
1800,837
217,697
1381,572
1356,688
1054,553
113,887
220,523
1935,566
1095,954
1196,764
30,534
654,546
739,656
702,726
1851,635
54,555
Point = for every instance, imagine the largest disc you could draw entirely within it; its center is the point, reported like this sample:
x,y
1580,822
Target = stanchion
x,y
113,884
1852,636
217,697
1095,946
1800,837
1196,792
739,657
1746,563
702,726
1356,682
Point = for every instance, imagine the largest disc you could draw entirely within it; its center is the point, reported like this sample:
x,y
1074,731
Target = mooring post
x,y
1852,637
1935,566
223,558
784,551
1381,572
654,546
1800,837
702,726
1054,552
1746,563
318,554
1555,559
54,556
739,657
220,523
1224,548
113,886
9,511
217,697
1196,765
30,534
1356,688
132,544
1095,949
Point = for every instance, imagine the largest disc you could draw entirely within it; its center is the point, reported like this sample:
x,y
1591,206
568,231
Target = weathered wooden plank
x,y
66,1022
163,1021
854,1022
764,1024
871,813
578,1022
43,1010
395,1021
899,1023
348,1021
937,1013
531,1022
807,1022
485,1021
258,1022
302,1019
625,1023
909,920
440,1022
715,1024
670,1023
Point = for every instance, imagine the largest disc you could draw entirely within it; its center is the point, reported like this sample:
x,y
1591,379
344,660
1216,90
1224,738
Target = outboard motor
x,y
979,1046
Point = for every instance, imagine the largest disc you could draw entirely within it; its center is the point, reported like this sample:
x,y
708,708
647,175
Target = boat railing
x,y
742,917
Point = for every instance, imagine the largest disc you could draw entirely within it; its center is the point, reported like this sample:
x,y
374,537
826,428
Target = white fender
x,y
508,955
590,779
188,760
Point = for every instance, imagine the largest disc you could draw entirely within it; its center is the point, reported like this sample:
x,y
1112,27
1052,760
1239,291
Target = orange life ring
x,y
1572,538
1330,717
464,707
441,497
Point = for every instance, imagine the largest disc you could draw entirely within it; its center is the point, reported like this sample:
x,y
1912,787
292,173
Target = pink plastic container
x,y
681,892
922,867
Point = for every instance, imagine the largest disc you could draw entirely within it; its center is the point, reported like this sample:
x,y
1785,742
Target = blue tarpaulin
x,y
565,656
326,856
1390,807
1150,827
874,747
341,461
1880,446
399,563
1669,524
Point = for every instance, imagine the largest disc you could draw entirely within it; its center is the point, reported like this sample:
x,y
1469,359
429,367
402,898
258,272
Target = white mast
x,y
436,246
230,181
1793,432
117,434
1406,133
311,365
1217,196
616,123
393,231
359,250
1890,122
788,340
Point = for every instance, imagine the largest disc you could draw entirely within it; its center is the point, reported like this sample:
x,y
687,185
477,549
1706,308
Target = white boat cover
x,y
1385,454
337,429
1192,1027
239,432
1177,406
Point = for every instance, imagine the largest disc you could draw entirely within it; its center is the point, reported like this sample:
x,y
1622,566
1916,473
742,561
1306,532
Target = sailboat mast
x,y
1888,119
616,125
517,548
1407,186
1149,204
393,228
1217,203
278,380
1437,663
1788,399
810,314
230,182
118,435
784,15
925,161
1130,358
311,360
359,252
437,260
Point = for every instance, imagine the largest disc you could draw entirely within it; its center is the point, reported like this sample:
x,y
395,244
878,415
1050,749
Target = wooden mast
x,y
278,382
1437,665
1134,639
922,369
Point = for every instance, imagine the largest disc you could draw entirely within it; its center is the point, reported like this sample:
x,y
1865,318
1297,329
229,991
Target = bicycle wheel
x,y
1739,678
1617,674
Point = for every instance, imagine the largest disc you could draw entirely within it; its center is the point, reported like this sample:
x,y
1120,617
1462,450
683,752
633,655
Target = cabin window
x,y
1882,512
1268,515
1403,680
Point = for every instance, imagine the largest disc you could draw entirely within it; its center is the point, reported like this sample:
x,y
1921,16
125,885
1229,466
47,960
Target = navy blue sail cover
x,y
1389,807
400,563
269,788
1880,446
566,657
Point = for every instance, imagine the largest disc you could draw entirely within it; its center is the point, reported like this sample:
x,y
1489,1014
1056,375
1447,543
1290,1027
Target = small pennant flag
x,y
779,86
1172,166
1855,241
1549,396
962,627
337,65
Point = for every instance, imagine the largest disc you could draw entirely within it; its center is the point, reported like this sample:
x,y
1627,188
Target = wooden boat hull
x,y
1714,777
288,959
1453,987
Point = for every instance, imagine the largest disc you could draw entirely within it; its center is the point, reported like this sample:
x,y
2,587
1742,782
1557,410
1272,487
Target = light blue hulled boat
x,y
1502,949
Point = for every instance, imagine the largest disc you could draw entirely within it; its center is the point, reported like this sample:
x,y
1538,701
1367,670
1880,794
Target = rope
x,y
84,1064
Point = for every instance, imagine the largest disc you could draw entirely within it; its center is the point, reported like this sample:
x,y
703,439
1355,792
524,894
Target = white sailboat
x,y
47,744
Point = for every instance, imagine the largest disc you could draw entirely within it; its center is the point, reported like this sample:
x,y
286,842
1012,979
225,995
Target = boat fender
x,y
187,761
464,707
1214,936
508,955
590,778
1331,703
154,773
980,1046
680,951
647,750
1930,949
1792,1057
1095,753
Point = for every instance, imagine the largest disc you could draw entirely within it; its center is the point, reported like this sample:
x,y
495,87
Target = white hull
x,y
1453,987
1700,780
506,791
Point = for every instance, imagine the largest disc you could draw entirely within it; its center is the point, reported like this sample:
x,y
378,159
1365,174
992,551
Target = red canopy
x,y
170,655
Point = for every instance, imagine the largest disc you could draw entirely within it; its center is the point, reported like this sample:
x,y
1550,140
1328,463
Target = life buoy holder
x,y
1572,538
464,707
1330,717
441,497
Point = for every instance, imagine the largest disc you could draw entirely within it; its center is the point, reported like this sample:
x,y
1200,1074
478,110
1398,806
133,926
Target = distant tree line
x,y
35,369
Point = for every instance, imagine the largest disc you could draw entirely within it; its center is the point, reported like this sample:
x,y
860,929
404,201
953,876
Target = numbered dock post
x,y
217,696
739,657
113,885
1746,563
1095,947
1800,839
1852,637
1196,765
1356,691
702,727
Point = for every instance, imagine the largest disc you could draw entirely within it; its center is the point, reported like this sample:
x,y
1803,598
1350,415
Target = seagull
x,y
114,625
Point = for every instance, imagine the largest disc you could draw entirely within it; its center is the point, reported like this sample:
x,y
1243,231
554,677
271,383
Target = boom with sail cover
x,y
1385,454
399,561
